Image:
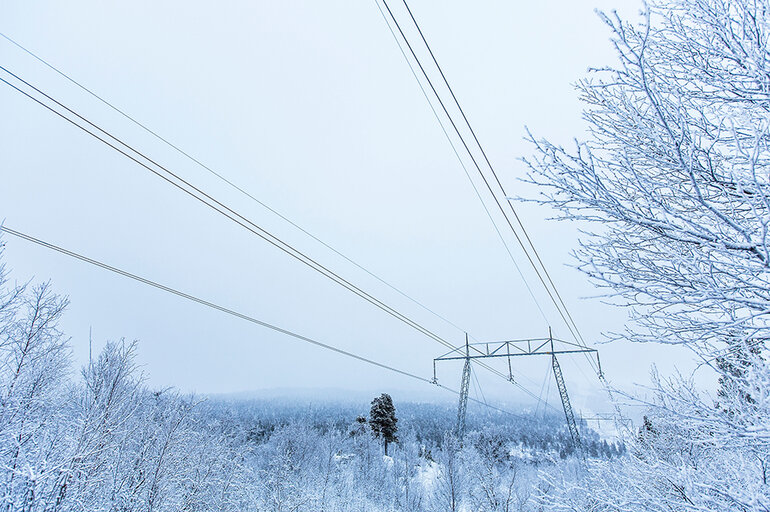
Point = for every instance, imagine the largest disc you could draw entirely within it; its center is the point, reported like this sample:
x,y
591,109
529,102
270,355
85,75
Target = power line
x,y
557,301
200,301
491,168
222,209
473,159
568,320
537,407
478,194
226,180
462,163
478,385
217,206
232,312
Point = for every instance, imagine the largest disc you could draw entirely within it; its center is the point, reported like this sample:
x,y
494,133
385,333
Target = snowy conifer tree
x,y
383,421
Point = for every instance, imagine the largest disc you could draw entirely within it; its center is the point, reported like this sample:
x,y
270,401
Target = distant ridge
x,y
334,395
352,397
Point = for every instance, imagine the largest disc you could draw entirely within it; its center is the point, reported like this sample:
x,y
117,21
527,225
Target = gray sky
x,y
311,108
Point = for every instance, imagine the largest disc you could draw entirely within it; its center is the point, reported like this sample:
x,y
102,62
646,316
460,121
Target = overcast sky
x,y
310,107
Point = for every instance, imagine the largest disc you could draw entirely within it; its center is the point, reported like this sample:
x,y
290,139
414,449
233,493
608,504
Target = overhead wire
x,y
91,261
478,384
547,393
281,245
476,190
475,387
219,207
494,173
470,154
216,205
234,313
557,300
224,179
462,163
542,388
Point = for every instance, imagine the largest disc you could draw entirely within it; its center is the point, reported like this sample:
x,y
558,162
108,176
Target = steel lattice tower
x,y
514,348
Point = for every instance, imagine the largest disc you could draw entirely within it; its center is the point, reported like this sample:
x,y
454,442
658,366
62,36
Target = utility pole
x,y
464,387
549,346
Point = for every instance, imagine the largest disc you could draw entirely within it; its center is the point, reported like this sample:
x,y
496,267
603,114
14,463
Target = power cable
x,y
478,194
242,316
227,181
542,388
224,210
494,173
200,301
219,207
478,384
558,302
475,387
547,393
475,189
478,167
565,314
462,164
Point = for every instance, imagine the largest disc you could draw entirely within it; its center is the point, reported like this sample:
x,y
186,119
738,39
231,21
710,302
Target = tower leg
x,y
573,430
464,386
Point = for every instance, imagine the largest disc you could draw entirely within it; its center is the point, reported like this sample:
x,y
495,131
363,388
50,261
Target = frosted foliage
x,y
98,442
101,440
673,182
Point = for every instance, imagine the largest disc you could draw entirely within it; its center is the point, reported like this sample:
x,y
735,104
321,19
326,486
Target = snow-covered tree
x,y
675,175
105,441
383,421
33,367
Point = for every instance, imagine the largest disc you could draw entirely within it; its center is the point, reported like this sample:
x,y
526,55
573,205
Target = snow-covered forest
x,y
103,440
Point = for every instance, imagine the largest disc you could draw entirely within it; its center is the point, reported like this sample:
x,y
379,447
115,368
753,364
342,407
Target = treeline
x,y
542,435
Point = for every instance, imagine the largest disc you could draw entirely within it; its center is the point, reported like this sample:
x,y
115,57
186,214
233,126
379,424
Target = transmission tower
x,y
549,346
464,386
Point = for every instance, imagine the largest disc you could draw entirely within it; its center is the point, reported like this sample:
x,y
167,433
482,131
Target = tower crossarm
x,y
516,348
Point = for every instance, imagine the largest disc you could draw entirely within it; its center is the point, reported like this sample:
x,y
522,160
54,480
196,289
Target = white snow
x,y
427,474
